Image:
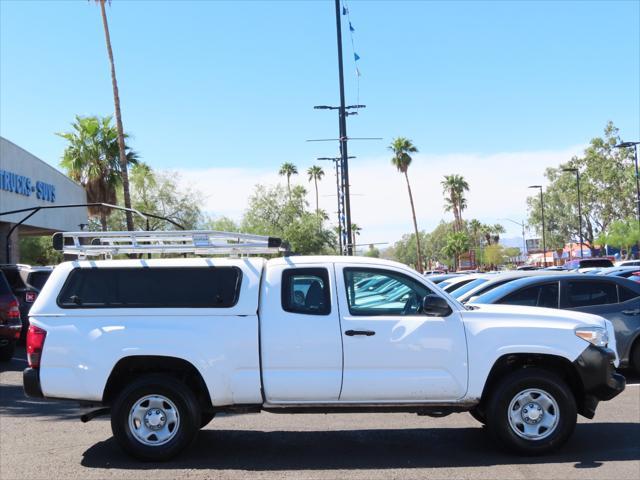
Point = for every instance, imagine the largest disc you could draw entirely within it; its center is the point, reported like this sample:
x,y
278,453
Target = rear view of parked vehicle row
x,y
165,344
10,324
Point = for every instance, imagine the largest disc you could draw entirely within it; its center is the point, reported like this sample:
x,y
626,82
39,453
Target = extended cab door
x,y
392,351
301,345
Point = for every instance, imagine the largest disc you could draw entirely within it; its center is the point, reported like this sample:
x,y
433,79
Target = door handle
x,y
367,333
632,312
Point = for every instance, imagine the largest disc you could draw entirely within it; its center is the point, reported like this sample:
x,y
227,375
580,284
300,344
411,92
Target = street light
x,y
544,242
635,157
577,172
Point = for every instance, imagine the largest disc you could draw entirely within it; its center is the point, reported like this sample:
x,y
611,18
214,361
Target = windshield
x,y
469,286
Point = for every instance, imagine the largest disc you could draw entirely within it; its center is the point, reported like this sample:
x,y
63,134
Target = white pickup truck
x,y
165,344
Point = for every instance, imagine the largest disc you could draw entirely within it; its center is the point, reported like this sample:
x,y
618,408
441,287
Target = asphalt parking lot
x,y
41,440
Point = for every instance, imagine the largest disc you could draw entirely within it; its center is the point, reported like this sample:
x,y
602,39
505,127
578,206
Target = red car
x,y
10,323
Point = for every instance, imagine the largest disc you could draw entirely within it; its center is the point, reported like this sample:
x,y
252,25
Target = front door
x,y
301,345
392,351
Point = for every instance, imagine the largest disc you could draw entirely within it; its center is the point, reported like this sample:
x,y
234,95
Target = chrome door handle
x,y
351,333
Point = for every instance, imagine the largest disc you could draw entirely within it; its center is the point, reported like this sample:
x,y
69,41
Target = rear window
x,y
13,277
587,293
38,279
178,287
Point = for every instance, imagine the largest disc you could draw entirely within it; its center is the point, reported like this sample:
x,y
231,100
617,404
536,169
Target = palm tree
x,y
287,169
355,230
453,187
124,173
91,158
457,243
492,233
316,173
401,148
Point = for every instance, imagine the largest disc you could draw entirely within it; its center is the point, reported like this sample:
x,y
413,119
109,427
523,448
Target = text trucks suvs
x,y
165,344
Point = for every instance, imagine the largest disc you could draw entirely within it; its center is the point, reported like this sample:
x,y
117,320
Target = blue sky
x,y
210,85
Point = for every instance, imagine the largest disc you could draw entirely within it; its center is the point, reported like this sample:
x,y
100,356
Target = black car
x,y
10,324
25,281
615,298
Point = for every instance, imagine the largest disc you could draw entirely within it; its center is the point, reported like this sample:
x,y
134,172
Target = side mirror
x,y
435,306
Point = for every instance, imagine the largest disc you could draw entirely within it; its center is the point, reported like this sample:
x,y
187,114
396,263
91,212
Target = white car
x,y
165,344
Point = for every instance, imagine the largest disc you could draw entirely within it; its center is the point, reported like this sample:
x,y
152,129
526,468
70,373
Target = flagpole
x,y
343,134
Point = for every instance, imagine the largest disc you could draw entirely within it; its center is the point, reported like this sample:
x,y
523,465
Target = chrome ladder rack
x,y
198,242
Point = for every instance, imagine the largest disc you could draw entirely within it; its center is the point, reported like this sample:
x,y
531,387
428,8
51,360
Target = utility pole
x,y
544,242
340,197
343,132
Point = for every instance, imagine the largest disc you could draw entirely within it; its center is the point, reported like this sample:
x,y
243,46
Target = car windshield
x,y
459,292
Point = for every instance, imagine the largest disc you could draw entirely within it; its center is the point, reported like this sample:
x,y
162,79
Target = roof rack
x,y
198,242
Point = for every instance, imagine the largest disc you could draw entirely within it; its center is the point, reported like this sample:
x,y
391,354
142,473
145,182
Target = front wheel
x,y
155,418
532,411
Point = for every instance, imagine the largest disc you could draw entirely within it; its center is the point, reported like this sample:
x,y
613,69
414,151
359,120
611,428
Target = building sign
x,y
534,245
23,185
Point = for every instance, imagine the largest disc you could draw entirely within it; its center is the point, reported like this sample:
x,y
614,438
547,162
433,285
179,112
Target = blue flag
x,y
351,27
345,11
356,56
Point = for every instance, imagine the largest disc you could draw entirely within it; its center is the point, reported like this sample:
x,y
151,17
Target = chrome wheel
x,y
154,420
533,414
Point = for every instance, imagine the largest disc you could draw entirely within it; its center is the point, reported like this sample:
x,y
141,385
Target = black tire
x,y
7,351
497,411
205,418
188,413
478,415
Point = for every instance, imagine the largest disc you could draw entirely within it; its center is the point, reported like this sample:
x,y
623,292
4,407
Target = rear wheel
x,y
7,351
532,411
478,415
155,418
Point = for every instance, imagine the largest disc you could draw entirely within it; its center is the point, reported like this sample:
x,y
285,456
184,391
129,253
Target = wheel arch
x,y
555,364
134,366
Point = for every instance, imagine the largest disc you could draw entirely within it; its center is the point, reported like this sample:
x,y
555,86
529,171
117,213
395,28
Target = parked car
x,y
165,344
437,279
628,263
583,265
451,284
614,298
10,324
625,272
25,281
474,289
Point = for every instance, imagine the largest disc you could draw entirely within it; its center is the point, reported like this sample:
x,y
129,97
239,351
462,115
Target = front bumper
x,y
599,378
31,383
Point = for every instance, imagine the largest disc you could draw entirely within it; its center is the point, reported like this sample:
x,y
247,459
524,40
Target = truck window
x,y
174,287
306,291
393,294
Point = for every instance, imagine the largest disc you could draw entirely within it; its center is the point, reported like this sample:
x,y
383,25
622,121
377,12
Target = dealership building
x,y
25,182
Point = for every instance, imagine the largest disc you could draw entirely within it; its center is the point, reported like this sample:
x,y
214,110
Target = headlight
x,y
594,335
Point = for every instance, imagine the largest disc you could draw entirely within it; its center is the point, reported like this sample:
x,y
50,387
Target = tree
x,y
315,174
492,233
275,212
222,224
457,243
373,252
621,234
607,189
286,170
453,187
124,173
39,251
160,193
355,231
401,148
91,158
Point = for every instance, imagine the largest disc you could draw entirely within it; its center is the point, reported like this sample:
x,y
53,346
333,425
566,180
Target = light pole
x,y
544,241
635,158
577,172
340,197
521,224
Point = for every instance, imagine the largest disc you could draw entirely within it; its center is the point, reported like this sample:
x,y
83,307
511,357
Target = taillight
x,y
14,309
35,343
30,297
